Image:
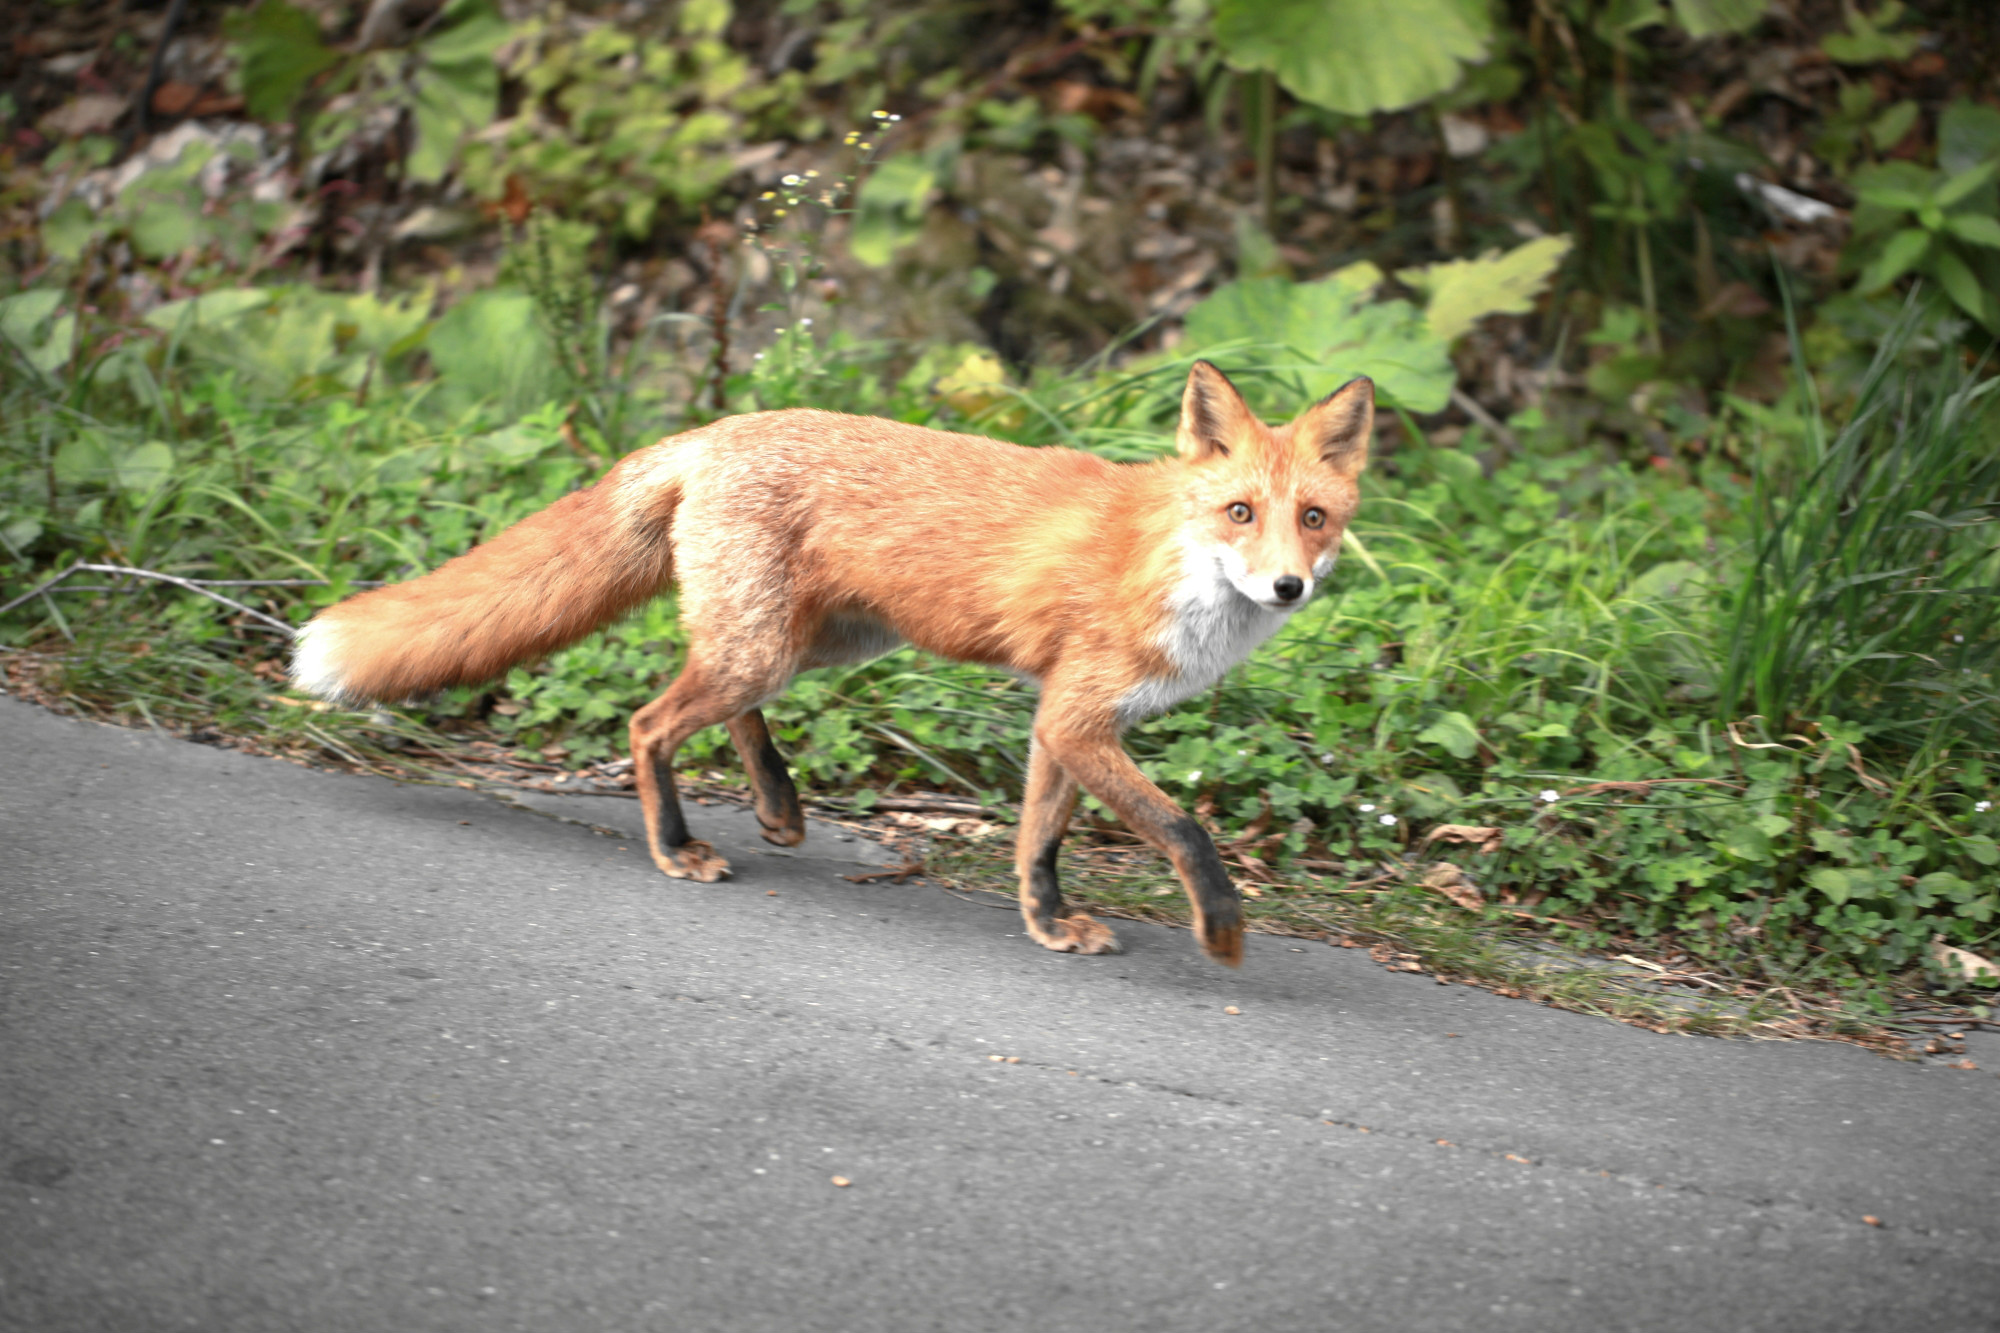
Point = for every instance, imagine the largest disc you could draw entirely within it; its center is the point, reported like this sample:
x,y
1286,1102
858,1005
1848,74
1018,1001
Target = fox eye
x,y
1239,512
1315,518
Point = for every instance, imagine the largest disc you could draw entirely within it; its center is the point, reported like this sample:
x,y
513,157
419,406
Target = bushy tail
x,y
540,585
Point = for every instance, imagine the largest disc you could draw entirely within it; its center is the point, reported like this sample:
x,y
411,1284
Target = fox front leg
x,y
1089,752
1045,812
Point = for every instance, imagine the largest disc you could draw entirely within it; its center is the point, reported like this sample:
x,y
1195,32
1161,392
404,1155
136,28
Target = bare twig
x,y
142,108
899,874
199,586
41,590
1469,405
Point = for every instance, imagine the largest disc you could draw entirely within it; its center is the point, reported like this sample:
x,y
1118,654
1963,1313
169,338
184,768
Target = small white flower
x,y
1549,795
1386,820
806,322
1367,809
789,180
1194,776
758,357
1241,753
1982,806
1958,638
1326,758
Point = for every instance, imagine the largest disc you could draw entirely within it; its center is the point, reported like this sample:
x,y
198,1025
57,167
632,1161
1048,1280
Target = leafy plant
x,y
615,124
1938,223
446,80
1327,332
1356,56
1458,293
1868,39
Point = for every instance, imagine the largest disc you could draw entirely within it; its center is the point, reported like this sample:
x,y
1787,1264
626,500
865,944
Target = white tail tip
x,y
315,660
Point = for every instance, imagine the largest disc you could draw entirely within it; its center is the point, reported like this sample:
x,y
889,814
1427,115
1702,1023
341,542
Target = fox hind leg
x,y
775,799
1045,811
700,697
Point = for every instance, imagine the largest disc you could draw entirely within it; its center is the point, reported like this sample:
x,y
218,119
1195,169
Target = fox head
x,y
1270,503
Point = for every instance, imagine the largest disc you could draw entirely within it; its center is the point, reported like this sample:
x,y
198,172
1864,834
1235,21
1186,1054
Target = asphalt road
x,y
289,1050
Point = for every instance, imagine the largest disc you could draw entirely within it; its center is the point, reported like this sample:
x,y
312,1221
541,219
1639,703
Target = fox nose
x,y
1287,587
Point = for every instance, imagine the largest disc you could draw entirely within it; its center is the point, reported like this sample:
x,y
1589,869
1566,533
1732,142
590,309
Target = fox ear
x,y
1335,429
1214,416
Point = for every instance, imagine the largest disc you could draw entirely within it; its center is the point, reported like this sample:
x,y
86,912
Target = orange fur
x,y
805,538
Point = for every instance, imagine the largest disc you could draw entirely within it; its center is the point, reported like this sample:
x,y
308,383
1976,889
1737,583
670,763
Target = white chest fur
x,y
1210,628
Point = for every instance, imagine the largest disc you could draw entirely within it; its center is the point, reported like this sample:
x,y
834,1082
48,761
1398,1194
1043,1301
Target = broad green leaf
x,y
1943,884
1899,256
1977,228
1356,56
83,460
458,89
1962,286
42,338
166,227
278,51
1455,732
1705,18
1866,41
1747,842
889,209
1887,130
210,310
1461,292
1836,884
491,346
1980,848
146,467
1890,196
705,18
20,533
468,30
1968,134
25,312
451,102
1965,182
69,229
1333,332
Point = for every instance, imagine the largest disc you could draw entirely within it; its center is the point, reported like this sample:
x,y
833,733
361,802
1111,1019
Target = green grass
x,y
1763,707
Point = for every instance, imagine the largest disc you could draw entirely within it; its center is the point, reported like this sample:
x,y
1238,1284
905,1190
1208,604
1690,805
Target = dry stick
x,y
1469,405
42,591
142,108
190,585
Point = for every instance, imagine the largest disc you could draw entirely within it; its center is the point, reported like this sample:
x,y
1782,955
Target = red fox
x,y
803,538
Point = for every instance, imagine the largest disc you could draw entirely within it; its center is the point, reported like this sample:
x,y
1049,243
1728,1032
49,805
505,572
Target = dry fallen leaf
x,y
1524,1161
1231,1009
1636,962
1483,837
1452,882
1871,1219
842,1181
1963,963
91,113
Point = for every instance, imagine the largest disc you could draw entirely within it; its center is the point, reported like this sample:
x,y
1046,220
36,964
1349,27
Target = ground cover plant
x,y
1667,627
